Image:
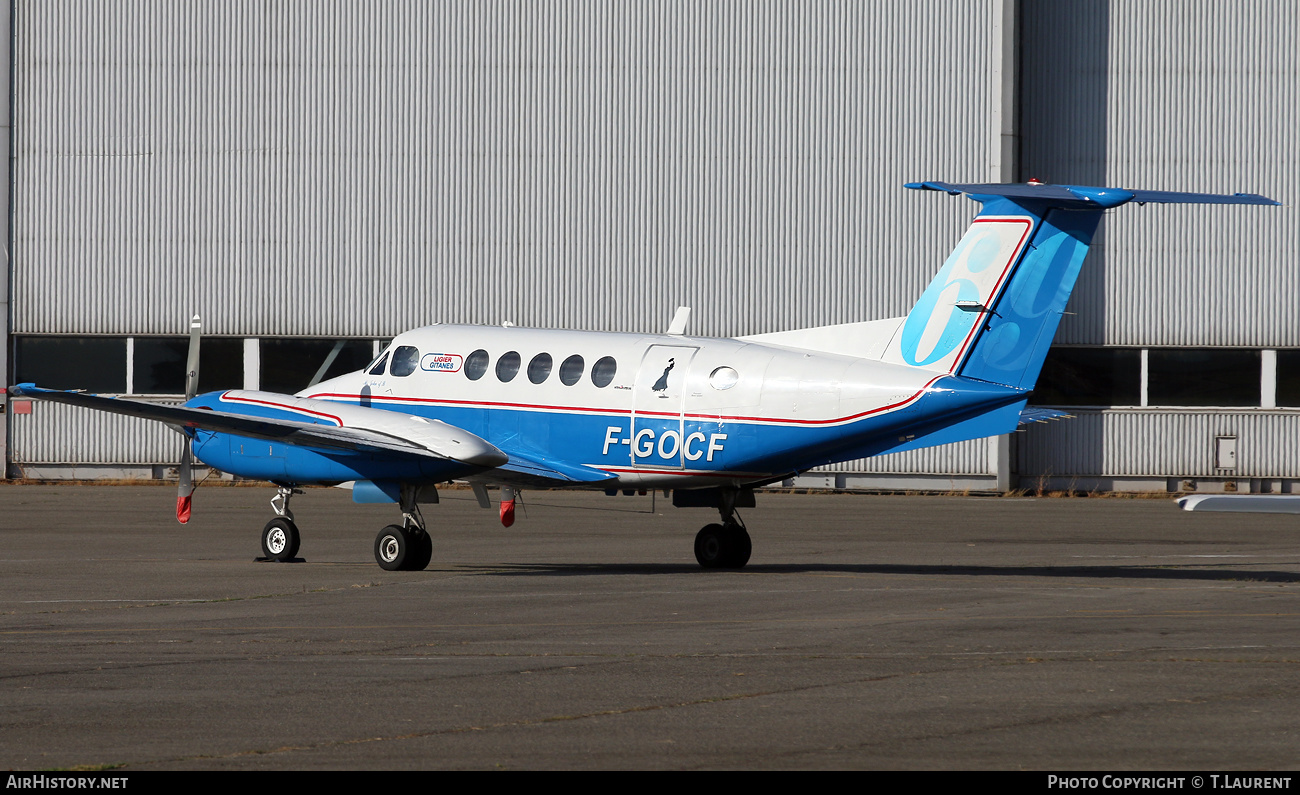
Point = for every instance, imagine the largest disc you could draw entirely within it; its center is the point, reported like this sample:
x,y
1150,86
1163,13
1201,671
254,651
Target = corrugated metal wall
x,y
1161,443
963,458
349,168
1174,95
346,168
47,434
341,168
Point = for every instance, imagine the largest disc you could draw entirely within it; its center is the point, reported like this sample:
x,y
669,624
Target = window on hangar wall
x,y
156,365
1090,377
1203,377
159,364
1174,377
289,365
1288,377
96,364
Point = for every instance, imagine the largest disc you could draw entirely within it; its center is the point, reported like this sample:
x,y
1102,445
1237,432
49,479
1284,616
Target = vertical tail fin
x,y
993,308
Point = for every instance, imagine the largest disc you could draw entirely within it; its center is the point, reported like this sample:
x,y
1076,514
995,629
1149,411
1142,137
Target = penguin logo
x,y
662,383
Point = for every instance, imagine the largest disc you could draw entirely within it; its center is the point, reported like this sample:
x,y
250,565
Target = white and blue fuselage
x,y
649,411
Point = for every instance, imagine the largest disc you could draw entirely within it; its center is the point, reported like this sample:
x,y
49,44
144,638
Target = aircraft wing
x,y
441,441
535,470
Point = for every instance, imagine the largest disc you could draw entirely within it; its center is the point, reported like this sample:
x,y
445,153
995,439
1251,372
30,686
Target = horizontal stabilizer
x,y
1087,197
1039,414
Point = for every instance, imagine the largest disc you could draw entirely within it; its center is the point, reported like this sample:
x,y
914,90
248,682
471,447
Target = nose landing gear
x,y
280,538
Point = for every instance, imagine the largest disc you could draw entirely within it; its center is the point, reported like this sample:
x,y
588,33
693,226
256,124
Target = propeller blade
x,y
507,506
185,491
192,361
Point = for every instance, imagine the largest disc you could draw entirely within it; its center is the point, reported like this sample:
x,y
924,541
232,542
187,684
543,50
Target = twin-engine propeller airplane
x,y
710,419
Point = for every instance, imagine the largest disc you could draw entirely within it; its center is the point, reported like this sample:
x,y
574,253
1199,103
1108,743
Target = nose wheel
x,y
280,540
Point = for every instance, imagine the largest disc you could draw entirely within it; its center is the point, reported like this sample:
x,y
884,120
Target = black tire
x,y
280,540
392,548
711,546
740,547
421,550
719,546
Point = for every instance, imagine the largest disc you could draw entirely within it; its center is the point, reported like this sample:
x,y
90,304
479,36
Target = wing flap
x,y
538,470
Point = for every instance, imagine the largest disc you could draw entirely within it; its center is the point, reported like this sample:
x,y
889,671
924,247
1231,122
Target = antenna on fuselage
x,y
678,326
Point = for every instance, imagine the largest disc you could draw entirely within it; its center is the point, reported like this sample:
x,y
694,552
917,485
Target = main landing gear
x,y
726,545
280,537
405,547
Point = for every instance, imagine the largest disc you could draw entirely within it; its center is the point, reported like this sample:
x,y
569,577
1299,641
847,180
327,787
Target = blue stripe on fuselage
x,y
723,446
607,439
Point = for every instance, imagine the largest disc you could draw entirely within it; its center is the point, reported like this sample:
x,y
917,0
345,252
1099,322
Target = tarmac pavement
x,y
872,632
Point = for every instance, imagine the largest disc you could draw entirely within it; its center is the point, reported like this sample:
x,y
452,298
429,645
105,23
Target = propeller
x,y
186,489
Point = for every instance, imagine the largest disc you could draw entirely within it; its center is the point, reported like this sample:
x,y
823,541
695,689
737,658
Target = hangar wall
x,y
357,169
1199,96
351,170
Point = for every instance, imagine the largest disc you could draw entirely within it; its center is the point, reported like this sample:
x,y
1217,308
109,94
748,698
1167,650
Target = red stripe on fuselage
x,y
622,412
227,397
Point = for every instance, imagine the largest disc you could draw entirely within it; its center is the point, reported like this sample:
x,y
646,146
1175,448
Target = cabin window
x,y
508,366
405,360
476,364
571,370
723,378
539,369
602,372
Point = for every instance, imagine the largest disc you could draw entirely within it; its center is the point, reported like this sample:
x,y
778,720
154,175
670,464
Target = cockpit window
x,y
405,360
476,364
508,366
602,372
378,369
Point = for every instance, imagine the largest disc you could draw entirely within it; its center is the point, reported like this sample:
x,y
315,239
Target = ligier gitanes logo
x,y
440,362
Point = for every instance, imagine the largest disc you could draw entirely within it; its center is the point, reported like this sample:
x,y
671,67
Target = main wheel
x,y
421,550
740,547
280,540
393,548
722,546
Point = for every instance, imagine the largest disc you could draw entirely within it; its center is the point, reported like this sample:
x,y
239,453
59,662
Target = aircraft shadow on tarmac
x,y
1079,572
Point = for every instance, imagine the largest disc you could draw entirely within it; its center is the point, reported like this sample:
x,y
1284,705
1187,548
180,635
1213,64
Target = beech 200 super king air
x,y
710,419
